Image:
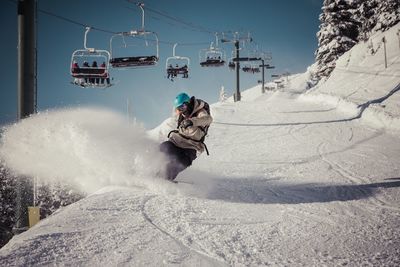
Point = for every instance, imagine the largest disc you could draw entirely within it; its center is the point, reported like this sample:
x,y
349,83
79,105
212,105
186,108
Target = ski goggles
x,y
182,108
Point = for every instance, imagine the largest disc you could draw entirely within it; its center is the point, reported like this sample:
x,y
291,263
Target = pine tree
x,y
346,22
388,15
366,14
44,200
377,16
52,196
338,32
7,204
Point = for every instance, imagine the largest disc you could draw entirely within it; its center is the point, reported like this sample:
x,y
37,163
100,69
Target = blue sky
x,y
285,28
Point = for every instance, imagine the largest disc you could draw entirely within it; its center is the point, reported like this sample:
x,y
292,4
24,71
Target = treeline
x,y
344,23
49,197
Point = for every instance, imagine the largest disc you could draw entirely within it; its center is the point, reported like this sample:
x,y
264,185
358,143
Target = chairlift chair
x,y
126,57
231,65
250,66
90,67
177,65
251,69
131,58
213,56
255,69
246,68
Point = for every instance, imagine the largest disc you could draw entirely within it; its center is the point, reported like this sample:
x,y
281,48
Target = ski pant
x,y
178,158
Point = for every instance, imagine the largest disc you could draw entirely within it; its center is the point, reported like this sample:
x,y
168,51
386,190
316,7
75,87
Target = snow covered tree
x,y
377,15
52,196
7,204
346,22
44,200
338,32
387,15
222,95
366,14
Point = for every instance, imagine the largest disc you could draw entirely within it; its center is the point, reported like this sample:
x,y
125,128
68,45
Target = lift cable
x,y
113,32
105,30
176,19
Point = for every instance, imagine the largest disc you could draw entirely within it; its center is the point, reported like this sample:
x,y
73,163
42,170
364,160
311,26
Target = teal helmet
x,y
181,99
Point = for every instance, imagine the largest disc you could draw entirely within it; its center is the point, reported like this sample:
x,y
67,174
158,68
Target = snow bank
x,y
361,77
330,100
88,147
381,120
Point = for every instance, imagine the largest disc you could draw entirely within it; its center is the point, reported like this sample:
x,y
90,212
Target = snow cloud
x,y
88,147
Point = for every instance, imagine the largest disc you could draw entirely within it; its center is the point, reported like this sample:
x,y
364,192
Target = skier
x,y
185,143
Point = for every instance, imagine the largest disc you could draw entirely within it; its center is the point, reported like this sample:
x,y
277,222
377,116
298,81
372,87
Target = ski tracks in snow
x,y
187,248
374,201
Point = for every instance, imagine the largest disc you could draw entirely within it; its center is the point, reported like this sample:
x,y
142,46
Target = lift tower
x,y
236,39
26,12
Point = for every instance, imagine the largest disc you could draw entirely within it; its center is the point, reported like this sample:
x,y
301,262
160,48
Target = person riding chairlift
x,y
105,75
85,65
75,67
94,79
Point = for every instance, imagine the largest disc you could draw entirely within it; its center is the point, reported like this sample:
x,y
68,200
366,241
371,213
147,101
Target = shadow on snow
x,y
270,191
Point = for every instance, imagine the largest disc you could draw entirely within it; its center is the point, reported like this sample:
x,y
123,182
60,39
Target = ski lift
x,y
231,63
246,68
145,52
177,65
95,74
212,57
250,68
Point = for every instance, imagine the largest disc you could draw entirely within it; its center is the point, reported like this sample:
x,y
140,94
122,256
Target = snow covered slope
x,y
360,76
293,179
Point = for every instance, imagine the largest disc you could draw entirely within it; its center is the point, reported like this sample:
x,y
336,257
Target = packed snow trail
x,y
287,182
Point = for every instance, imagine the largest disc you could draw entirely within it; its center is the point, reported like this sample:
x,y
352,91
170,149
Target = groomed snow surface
x,y
294,178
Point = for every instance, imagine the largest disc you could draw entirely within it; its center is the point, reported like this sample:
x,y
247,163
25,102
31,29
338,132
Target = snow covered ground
x,y
294,178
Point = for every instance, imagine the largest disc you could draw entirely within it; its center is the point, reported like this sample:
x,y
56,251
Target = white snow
x,y
295,177
88,147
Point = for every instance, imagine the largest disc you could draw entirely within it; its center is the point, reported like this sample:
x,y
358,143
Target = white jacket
x,y
192,136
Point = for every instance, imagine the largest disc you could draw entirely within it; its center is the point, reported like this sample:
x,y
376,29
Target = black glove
x,y
186,123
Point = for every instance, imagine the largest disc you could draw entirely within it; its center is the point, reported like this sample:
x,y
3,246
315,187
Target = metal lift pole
x,y
263,79
237,67
26,12
263,66
237,60
26,58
